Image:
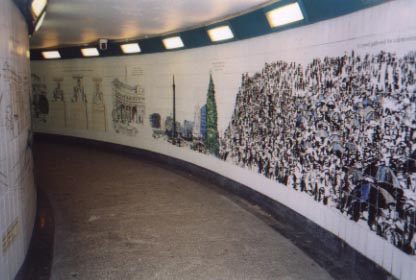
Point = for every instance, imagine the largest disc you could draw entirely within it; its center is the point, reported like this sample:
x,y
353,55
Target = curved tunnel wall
x,y
17,191
320,118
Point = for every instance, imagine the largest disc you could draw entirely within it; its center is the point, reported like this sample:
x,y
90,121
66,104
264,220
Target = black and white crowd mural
x,y
340,129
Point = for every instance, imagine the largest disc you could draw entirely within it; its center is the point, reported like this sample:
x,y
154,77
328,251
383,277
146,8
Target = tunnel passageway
x,y
121,217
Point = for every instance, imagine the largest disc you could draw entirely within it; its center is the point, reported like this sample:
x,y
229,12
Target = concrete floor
x,y
120,217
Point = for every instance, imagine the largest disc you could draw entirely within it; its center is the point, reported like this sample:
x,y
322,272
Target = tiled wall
x,y
17,192
320,118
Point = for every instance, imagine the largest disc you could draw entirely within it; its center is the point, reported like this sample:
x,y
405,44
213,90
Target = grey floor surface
x,y
120,217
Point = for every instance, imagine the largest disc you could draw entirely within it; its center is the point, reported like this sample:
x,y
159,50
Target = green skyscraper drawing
x,y
211,138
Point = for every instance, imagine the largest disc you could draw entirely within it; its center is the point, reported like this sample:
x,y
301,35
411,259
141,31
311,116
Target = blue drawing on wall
x,y
203,122
187,129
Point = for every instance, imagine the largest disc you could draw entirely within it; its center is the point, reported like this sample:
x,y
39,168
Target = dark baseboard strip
x,y
38,261
328,250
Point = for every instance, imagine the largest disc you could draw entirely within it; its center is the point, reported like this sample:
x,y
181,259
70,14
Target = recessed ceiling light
x,y
38,6
173,43
90,52
51,55
130,48
40,21
220,33
284,15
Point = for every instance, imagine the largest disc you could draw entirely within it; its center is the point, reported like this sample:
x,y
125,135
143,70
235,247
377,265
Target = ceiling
x,y
78,22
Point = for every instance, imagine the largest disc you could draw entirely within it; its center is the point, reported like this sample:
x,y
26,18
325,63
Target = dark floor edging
x,y
38,261
329,251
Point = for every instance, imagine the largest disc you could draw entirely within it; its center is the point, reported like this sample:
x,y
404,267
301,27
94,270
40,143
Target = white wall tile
x,y
388,256
13,46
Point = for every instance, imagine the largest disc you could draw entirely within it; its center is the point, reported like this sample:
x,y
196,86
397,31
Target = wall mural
x,y
40,101
17,124
128,107
58,104
16,164
78,112
17,192
201,134
98,108
341,129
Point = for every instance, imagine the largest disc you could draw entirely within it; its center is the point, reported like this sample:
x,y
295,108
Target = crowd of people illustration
x,y
342,129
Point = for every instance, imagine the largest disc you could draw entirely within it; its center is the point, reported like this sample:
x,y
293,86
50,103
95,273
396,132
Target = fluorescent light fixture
x,y
220,33
130,48
284,15
40,21
90,52
51,55
173,43
38,6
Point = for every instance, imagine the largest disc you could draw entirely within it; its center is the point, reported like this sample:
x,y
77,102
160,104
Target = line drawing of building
x,y
128,107
40,101
58,105
79,93
98,119
78,112
187,129
196,133
98,98
58,93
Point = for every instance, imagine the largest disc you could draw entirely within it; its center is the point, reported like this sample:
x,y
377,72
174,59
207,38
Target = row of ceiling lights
x,y
278,17
38,12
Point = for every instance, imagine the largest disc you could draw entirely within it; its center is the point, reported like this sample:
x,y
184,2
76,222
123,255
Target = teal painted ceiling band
x,y
245,26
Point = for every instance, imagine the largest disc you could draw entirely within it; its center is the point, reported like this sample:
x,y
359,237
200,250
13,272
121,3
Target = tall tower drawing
x,y
211,138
